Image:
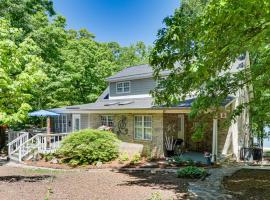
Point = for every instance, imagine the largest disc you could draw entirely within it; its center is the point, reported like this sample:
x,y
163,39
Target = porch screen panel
x,y
64,124
60,123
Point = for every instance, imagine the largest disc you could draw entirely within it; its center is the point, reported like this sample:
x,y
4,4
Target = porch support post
x,y
48,139
214,140
48,125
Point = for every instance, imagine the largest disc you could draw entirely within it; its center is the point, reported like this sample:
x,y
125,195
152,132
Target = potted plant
x,y
170,145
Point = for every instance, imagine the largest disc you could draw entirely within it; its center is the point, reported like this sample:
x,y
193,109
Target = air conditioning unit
x,y
223,115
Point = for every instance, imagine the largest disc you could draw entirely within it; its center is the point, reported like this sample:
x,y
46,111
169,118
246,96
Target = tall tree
x,y
23,13
74,64
135,54
19,70
205,38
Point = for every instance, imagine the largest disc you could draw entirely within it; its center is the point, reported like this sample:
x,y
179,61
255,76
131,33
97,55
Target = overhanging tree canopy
x,y
205,38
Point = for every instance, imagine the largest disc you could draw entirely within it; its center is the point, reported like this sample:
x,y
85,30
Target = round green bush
x,y
89,146
191,172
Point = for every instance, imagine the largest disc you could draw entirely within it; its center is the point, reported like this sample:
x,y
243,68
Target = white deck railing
x,y
12,135
40,143
14,145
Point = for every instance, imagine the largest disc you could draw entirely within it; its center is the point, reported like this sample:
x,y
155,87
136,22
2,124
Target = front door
x,y
76,122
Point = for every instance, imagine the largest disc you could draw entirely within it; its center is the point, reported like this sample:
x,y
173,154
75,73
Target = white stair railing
x,y
50,143
12,135
14,145
40,143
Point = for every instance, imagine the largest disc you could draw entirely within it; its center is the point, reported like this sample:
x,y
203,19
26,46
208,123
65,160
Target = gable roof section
x,y
134,72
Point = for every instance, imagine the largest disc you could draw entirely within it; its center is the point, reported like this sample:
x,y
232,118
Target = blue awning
x,y
42,113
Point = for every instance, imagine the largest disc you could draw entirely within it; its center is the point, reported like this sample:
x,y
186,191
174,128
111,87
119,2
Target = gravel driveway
x,y
26,184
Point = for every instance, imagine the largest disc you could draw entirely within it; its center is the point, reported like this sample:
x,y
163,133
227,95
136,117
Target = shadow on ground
x,y
11,179
249,184
163,181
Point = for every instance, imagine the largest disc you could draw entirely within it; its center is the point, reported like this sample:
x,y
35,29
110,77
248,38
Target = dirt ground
x,y
103,184
249,184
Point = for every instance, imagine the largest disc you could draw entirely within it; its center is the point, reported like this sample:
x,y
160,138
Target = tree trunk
x,y
2,137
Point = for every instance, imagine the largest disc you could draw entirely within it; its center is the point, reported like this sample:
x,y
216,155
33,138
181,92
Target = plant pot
x,y
170,153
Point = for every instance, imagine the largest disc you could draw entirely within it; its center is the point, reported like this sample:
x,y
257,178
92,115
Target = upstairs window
x,y
107,120
123,87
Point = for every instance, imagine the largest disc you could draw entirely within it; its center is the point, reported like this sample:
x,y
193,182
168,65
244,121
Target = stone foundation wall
x,y
124,128
162,123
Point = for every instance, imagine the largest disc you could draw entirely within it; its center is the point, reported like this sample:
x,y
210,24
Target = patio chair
x,y
178,150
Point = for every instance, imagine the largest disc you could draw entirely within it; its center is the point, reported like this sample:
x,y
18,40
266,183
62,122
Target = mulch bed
x,y
249,184
43,163
144,163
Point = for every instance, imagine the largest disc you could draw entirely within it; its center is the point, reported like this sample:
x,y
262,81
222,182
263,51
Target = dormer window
x,y
123,87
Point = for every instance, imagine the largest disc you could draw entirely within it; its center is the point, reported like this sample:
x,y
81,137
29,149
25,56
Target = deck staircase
x,y
25,147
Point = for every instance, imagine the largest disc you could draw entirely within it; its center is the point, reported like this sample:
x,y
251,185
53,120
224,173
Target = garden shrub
x,y
48,156
190,162
191,172
123,157
89,146
136,158
178,160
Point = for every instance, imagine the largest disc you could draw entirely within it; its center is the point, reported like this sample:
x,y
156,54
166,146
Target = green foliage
x,y
191,172
190,162
199,131
47,156
155,196
45,65
136,158
19,70
123,157
89,146
148,154
178,160
205,38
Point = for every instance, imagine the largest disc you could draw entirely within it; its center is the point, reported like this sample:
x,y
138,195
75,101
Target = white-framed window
x,y
60,124
143,127
123,87
107,120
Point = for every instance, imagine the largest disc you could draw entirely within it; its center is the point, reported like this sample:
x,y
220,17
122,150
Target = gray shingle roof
x,y
129,104
134,72
145,103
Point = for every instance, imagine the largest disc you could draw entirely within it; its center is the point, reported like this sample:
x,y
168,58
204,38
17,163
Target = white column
x,y
214,140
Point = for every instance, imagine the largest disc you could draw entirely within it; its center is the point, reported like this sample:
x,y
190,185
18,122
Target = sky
x,y
122,21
